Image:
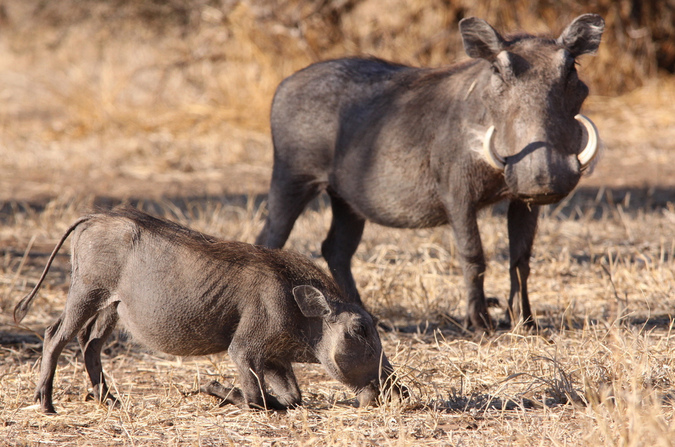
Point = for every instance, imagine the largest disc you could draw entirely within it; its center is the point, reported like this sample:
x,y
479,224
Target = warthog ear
x,y
583,35
312,303
480,39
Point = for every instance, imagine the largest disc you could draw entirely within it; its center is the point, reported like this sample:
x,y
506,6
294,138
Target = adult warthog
x,y
415,147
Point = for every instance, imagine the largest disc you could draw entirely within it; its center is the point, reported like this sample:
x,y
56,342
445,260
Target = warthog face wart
x,y
410,147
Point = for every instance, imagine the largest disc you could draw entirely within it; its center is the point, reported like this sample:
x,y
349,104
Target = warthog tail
x,y
23,306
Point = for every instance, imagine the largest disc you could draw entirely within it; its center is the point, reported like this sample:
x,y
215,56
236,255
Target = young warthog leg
x,y
231,395
80,307
252,378
92,338
283,382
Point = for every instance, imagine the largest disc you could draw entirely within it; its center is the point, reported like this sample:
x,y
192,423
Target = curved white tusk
x,y
491,157
587,155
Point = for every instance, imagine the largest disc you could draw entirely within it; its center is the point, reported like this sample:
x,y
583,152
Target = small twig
x,y
262,389
616,293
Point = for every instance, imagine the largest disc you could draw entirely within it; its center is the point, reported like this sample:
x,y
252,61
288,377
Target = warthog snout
x,y
386,388
547,169
540,176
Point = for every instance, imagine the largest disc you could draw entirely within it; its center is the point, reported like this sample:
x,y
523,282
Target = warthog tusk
x,y
491,157
587,155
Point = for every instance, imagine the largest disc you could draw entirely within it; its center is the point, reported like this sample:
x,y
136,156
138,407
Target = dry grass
x,y
173,115
601,371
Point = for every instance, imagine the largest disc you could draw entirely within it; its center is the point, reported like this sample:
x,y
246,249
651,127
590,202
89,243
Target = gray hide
x,y
185,293
404,147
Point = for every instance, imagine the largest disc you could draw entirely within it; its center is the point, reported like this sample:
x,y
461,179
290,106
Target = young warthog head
x,y
349,347
532,94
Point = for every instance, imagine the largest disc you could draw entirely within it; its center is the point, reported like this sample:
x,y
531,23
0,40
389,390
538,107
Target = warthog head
x,y
350,348
533,96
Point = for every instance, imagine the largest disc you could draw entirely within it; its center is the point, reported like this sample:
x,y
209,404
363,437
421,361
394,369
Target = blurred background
x,y
165,98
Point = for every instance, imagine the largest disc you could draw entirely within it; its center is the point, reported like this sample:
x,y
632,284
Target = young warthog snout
x,y
185,293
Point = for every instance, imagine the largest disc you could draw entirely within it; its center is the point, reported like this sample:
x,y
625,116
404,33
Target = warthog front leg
x,y
252,377
522,224
231,395
283,382
465,225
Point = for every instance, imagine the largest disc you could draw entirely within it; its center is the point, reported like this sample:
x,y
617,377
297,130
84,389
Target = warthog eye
x,y
497,71
571,67
361,331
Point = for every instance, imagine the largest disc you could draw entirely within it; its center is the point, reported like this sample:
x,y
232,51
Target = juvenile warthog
x,y
185,293
412,147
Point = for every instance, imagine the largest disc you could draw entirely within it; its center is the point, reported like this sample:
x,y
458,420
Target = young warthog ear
x,y
312,303
480,39
583,35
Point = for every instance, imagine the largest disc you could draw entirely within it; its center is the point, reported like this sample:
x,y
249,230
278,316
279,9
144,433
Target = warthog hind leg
x,y
92,337
287,199
80,307
343,238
